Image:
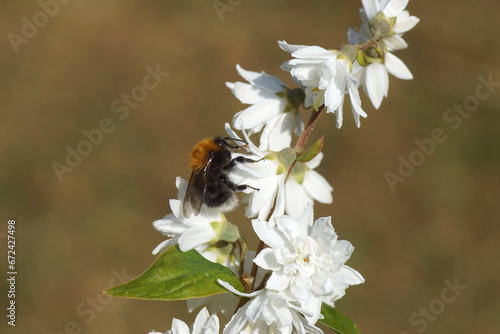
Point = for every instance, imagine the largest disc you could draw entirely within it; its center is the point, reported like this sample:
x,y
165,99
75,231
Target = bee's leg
x,y
241,187
240,159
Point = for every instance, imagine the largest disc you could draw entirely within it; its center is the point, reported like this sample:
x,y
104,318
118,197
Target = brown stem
x,y
253,273
243,251
309,127
303,136
371,43
264,280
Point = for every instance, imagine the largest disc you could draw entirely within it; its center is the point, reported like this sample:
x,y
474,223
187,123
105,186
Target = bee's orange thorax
x,y
201,153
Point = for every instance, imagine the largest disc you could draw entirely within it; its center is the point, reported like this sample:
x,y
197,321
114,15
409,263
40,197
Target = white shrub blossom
x,y
301,264
306,259
389,18
203,324
270,109
287,195
326,74
304,186
268,312
388,10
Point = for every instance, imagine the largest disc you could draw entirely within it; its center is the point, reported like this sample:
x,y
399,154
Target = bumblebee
x,y
209,183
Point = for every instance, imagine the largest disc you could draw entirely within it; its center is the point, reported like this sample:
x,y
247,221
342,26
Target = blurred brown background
x,y
75,236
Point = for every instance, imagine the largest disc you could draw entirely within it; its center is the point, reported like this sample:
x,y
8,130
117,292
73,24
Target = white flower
x,y
326,74
268,312
224,303
262,175
203,324
269,109
197,232
374,77
304,186
307,261
288,195
391,9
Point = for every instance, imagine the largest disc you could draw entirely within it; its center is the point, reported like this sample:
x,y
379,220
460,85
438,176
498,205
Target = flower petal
x,y
247,93
396,67
300,286
290,47
262,80
394,7
164,245
395,42
351,276
266,259
195,237
354,37
371,7
170,226
405,22
296,198
377,83
278,281
318,187
179,327
314,52
269,236
278,132
258,113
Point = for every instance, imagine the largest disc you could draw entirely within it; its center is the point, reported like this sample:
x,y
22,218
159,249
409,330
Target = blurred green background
x,y
75,236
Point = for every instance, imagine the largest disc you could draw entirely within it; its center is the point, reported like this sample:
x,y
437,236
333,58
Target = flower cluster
x,y
328,75
300,264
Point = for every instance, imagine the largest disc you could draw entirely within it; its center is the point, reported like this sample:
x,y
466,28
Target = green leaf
x,y
337,321
312,152
177,275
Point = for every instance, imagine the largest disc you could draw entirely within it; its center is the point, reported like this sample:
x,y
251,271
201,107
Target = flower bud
x,y
382,26
371,53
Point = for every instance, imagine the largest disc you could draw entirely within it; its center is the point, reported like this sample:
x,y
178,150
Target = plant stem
x,y
309,127
300,143
303,136
253,273
242,246
371,43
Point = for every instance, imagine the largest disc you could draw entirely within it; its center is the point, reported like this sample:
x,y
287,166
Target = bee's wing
x,y
195,192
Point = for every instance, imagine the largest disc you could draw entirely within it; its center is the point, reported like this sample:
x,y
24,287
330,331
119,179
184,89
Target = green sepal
x,y
383,25
319,99
226,231
349,53
294,98
285,157
224,250
298,171
337,321
177,275
312,152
